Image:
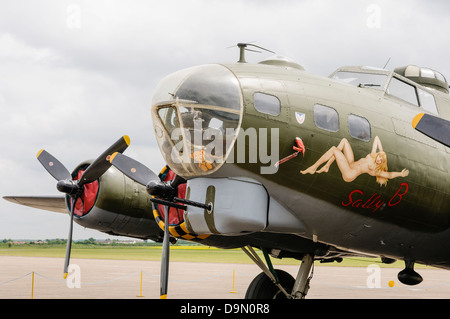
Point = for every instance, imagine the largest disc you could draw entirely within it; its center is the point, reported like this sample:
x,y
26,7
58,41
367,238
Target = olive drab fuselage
x,y
399,210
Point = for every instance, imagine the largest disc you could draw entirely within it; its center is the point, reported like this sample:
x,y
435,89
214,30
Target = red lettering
x,y
357,203
375,202
378,205
398,195
366,204
350,197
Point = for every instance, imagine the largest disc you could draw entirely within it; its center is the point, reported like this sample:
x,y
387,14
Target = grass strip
x,y
177,253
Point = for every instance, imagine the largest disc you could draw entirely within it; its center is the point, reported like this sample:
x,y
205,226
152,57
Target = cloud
x,y
76,75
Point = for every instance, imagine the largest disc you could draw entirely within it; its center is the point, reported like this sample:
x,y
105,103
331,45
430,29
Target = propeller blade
x,y
69,239
53,166
74,189
133,169
165,256
102,163
434,127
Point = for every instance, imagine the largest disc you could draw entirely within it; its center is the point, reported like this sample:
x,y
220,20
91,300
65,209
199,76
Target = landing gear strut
x,y
276,283
301,285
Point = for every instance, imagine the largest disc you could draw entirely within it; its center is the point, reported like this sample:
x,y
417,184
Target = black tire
x,y
263,288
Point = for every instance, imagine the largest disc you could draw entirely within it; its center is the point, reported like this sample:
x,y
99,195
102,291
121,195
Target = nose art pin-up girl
x,y
374,164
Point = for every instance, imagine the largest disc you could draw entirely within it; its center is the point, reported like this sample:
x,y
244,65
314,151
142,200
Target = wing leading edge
x,y
434,127
50,203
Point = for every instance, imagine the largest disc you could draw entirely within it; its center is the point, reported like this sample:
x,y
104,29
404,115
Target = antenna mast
x,y
243,47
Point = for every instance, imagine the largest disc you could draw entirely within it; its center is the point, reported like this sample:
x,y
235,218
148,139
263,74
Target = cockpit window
x,y
427,101
403,91
367,80
197,115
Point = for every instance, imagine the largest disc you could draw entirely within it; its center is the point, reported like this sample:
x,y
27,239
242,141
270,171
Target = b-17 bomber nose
x,y
196,116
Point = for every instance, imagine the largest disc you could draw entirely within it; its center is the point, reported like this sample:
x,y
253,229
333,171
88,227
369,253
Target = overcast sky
x,y
76,75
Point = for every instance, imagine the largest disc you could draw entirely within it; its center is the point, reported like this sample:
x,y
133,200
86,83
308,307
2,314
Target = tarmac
x,y
42,278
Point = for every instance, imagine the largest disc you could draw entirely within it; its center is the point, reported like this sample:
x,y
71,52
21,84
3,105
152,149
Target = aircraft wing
x,y
50,203
434,127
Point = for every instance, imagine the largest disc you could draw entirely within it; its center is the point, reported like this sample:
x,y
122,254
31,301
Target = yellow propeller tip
x,y
112,157
127,139
417,119
65,275
39,153
163,297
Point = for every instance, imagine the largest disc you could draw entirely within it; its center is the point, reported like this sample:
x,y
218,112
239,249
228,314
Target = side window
x,y
267,104
427,101
359,127
326,118
403,91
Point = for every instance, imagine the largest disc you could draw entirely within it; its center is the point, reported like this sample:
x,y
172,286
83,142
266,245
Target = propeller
x,y
165,256
433,127
74,188
165,191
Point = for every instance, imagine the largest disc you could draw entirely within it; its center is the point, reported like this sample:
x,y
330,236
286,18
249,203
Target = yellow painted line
x,y
127,139
112,157
173,232
163,170
417,119
183,227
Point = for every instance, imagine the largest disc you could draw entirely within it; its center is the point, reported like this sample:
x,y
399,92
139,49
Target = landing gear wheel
x,y
263,288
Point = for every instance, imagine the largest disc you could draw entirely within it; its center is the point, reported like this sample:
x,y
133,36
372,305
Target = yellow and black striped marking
x,y
177,231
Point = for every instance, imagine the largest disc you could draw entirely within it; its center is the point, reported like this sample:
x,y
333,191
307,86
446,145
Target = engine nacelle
x,y
116,205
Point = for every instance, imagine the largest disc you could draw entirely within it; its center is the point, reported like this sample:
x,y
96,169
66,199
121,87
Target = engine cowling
x,y
116,205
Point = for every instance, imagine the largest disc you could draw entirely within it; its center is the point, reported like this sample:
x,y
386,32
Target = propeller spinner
x,y
75,188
